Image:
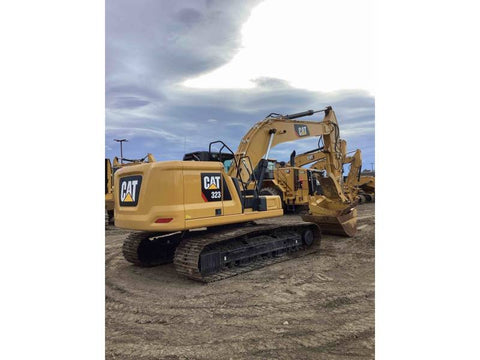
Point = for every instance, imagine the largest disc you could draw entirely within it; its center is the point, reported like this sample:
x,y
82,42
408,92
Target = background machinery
x,y
366,186
296,184
109,205
293,183
109,171
202,216
364,181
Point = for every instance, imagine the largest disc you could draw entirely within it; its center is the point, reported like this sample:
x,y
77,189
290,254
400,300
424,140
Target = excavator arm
x,y
309,157
334,211
277,129
320,158
351,183
355,162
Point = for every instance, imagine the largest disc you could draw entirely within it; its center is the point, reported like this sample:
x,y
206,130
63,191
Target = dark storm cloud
x,y
152,46
158,42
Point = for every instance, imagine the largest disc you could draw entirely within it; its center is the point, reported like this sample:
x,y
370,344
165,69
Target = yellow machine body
x,y
366,188
367,183
109,182
173,196
292,183
108,185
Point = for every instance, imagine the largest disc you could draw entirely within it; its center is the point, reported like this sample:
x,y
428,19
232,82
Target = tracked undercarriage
x,y
219,253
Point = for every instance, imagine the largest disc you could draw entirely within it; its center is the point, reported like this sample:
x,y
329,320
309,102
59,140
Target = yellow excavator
x,y
208,219
366,186
363,181
109,205
296,184
293,183
109,171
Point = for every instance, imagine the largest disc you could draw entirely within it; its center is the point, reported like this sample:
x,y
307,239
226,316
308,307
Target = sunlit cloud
x,y
310,44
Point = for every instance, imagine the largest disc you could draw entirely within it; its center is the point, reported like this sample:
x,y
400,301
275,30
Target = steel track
x,y
188,252
149,249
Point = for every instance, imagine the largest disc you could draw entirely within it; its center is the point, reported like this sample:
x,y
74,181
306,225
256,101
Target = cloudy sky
x,y
180,74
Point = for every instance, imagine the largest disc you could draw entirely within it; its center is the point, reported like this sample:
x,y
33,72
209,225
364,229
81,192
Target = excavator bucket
x,y
344,225
331,189
331,211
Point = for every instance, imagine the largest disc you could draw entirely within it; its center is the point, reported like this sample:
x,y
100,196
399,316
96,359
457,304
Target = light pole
x,y
372,167
121,148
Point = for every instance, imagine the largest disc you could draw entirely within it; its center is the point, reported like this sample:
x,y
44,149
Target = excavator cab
x,y
248,192
207,156
270,173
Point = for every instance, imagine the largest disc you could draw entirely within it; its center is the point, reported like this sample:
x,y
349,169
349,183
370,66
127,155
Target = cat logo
x,y
211,187
129,190
301,130
211,182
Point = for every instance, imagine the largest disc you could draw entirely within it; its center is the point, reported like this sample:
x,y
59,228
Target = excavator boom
x,y
332,211
274,130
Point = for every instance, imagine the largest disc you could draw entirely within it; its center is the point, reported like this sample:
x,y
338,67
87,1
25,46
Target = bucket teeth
x,y
344,225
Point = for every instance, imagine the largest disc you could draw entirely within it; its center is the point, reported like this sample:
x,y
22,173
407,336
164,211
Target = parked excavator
x,y
109,171
109,205
208,220
364,181
293,183
366,186
296,184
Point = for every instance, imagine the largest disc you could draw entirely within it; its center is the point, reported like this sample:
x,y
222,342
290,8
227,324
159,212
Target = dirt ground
x,y
321,306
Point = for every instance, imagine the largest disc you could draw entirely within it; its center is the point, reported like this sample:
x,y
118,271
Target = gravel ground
x,y
320,306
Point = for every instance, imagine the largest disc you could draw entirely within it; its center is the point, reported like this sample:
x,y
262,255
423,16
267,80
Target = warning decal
x,y
211,186
129,190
